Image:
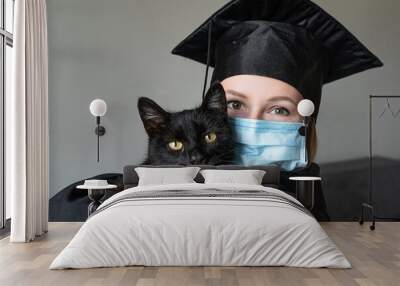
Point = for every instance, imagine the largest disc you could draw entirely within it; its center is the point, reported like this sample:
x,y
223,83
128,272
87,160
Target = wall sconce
x,y
306,109
98,108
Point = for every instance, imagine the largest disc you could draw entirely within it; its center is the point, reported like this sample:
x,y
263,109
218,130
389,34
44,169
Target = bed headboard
x,y
271,177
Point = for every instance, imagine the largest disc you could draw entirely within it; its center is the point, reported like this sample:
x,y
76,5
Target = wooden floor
x,y
375,257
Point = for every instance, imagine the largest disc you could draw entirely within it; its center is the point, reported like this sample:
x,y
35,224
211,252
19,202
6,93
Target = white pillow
x,y
248,177
163,176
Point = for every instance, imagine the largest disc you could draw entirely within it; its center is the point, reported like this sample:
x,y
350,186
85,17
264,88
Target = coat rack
x,y
394,114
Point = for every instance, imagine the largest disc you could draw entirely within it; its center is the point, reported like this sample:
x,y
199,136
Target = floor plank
x,y
375,257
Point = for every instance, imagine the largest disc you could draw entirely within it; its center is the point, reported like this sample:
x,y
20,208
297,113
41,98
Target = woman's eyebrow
x,y
236,93
283,98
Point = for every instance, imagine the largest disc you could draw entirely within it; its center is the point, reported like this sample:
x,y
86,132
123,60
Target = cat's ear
x,y
215,98
153,116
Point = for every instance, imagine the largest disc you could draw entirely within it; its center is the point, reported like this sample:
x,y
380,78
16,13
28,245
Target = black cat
x,y
190,137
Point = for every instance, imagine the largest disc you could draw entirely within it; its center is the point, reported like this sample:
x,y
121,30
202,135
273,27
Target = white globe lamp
x,y
305,107
98,107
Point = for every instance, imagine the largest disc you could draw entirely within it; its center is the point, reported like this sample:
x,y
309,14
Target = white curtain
x,y
28,123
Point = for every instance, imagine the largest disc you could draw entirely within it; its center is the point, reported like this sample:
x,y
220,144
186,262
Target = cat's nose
x,y
195,158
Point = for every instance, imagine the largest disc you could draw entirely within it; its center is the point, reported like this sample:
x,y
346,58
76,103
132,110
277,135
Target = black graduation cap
x,y
295,41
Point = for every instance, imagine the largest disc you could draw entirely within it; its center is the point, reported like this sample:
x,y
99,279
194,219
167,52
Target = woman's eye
x,y
210,137
280,111
234,104
175,145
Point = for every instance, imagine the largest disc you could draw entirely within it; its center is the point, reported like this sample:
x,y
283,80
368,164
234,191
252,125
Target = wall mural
x,y
265,63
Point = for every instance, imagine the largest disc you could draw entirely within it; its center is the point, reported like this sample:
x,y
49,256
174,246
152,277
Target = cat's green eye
x,y
210,137
175,145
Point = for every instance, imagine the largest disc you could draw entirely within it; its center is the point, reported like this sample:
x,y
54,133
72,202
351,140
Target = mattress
x,y
201,225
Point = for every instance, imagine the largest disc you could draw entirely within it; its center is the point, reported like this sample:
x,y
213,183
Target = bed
x,y
201,224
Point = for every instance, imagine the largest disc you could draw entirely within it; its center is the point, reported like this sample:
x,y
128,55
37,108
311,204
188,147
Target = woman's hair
x,y
312,142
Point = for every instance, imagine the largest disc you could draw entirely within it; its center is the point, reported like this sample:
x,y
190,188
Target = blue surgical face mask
x,y
262,142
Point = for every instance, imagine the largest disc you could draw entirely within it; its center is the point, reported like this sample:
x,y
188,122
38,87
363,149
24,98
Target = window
x,y
6,60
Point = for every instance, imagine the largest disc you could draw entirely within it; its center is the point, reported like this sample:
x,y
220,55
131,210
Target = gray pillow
x,y
163,176
248,177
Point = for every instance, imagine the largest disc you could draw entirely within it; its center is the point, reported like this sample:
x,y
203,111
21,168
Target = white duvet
x,y
200,231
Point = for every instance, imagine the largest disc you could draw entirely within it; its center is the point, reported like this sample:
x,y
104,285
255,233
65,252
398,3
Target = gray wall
x,y
119,50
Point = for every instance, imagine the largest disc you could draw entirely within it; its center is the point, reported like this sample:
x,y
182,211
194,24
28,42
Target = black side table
x,y
96,194
305,190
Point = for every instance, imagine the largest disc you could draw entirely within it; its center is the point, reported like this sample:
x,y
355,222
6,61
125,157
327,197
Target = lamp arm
x,y
98,137
305,135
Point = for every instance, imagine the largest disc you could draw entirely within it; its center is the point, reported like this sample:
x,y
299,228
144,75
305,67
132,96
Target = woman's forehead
x,y
259,86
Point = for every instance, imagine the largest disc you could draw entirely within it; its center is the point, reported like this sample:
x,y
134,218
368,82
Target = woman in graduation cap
x,y
269,55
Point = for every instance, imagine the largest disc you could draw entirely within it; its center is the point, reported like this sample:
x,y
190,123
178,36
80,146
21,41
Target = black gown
x,y
71,204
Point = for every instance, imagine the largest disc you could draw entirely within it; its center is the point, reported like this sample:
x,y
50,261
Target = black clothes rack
x,y
369,204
